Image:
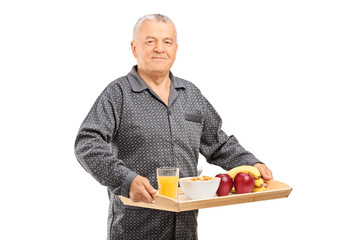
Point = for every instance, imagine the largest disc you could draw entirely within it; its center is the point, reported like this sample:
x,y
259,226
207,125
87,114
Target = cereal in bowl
x,y
202,178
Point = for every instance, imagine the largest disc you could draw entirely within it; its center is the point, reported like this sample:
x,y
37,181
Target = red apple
x,y
244,183
226,184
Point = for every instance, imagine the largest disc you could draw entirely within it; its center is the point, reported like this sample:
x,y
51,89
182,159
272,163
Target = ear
x,y
133,48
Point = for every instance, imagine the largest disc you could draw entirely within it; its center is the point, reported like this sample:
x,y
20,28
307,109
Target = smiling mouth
x,y
159,58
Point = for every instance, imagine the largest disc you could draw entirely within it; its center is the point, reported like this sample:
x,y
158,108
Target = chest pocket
x,y
194,117
194,122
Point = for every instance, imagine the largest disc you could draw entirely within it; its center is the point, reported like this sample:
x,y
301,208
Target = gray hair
x,y
152,17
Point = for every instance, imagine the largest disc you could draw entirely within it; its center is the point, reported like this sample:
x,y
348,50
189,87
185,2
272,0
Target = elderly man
x,y
149,119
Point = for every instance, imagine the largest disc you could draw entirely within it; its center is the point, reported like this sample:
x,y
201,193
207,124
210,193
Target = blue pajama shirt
x,y
130,131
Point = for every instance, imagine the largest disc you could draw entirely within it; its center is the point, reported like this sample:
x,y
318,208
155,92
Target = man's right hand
x,y
141,190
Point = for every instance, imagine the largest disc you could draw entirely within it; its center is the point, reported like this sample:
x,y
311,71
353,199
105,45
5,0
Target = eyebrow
x,y
167,38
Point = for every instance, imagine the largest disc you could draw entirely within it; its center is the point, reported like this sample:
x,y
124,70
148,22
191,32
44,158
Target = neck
x,y
155,81
160,84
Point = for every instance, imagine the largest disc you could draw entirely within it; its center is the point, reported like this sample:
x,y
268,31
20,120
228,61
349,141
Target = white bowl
x,y
199,189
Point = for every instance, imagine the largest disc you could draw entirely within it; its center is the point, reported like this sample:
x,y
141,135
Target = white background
x,y
282,74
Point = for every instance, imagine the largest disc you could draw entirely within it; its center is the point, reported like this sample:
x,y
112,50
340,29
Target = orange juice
x,y
168,186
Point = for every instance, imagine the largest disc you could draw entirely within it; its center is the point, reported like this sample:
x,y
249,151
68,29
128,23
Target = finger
x,y
266,173
138,191
148,191
269,174
142,195
149,187
146,197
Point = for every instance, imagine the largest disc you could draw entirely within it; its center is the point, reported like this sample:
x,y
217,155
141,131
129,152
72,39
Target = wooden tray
x,y
274,190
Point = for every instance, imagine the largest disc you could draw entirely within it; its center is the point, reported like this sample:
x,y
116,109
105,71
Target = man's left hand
x,y
265,172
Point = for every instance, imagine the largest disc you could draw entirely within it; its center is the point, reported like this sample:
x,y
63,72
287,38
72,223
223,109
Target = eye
x,y
149,42
168,42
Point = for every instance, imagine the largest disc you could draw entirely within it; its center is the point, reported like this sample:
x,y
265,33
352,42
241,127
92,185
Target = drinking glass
x,y
168,178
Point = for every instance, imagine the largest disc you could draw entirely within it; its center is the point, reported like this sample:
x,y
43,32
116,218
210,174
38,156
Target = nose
x,y
159,47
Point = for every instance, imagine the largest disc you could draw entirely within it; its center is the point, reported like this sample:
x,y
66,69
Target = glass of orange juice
x,y
168,178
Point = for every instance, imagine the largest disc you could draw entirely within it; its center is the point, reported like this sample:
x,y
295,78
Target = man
x,y
150,119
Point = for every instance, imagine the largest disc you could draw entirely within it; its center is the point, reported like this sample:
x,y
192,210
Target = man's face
x,y
155,47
